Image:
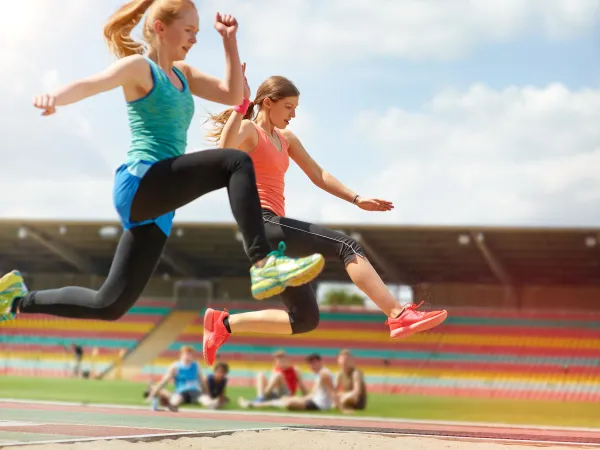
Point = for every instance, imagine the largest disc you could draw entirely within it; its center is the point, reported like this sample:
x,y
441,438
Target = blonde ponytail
x,y
117,30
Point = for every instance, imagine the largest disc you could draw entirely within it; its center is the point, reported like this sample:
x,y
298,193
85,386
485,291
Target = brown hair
x,y
223,366
117,30
274,88
186,349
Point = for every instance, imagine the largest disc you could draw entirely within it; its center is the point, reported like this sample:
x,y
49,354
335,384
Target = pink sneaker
x,y
412,321
215,334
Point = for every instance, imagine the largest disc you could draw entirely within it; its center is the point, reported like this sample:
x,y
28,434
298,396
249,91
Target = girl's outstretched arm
x,y
121,73
314,171
328,182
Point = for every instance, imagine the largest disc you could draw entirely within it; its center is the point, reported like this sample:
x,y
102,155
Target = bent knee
x,y
261,376
351,250
303,322
111,309
111,314
238,158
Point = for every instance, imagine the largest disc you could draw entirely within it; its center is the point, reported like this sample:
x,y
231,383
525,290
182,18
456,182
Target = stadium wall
x,y
585,298
492,296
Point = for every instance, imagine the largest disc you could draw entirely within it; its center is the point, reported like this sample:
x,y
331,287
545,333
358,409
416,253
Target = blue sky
x,y
476,112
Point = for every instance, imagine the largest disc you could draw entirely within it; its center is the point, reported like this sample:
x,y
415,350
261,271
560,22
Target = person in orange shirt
x,y
265,138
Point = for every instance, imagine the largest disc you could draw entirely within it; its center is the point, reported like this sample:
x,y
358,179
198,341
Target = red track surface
x,y
300,420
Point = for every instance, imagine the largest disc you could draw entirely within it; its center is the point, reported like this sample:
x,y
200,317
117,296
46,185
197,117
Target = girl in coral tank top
x,y
264,136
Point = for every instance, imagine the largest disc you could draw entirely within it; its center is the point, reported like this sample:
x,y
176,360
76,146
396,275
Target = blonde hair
x,y
117,30
274,88
279,354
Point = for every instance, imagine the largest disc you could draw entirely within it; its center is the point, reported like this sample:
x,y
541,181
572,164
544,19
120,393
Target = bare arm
x,y
338,382
222,395
227,91
168,376
121,73
327,381
203,383
357,380
317,175
301,384
236,132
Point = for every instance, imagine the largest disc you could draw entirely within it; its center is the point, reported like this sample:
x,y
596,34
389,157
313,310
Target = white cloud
x,y
520,154
353,30
484,156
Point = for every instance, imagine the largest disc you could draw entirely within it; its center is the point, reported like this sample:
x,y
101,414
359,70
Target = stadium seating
x,y
476,352
40,345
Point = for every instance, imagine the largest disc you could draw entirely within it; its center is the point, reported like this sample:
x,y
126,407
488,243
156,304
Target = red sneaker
x,y
412,321
215,334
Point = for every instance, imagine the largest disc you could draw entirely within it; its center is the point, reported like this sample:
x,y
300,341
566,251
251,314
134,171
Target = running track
x,y
35,422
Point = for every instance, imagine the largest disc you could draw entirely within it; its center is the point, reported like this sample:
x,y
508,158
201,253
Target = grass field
x,y
380,405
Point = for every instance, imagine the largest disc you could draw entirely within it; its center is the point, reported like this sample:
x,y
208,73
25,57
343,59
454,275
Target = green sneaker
x,y
281,271
11,286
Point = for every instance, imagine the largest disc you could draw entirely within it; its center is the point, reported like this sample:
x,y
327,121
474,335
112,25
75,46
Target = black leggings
x,y
305,238
168,185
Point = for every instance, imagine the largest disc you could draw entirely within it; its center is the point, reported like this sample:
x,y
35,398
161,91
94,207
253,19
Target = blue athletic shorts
x,y
127,181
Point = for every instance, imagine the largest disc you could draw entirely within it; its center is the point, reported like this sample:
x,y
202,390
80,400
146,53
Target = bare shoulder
x,y
288,135
249,134
247,124
183,67
137,76
134,61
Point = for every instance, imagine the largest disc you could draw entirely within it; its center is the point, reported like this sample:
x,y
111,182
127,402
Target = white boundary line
x,y
315,416
78,424
18,423
140,437
456,438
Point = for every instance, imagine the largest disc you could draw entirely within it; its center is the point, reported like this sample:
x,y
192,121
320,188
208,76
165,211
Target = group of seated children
x,y
346,391
191,386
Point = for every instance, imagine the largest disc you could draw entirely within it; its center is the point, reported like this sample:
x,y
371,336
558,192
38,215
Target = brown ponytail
x,y
274,87
219,120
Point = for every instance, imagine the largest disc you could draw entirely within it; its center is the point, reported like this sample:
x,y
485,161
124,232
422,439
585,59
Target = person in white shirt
x,y
322,396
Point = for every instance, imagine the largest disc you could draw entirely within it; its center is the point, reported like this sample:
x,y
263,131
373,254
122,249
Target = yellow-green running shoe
x,y
281,271
12,286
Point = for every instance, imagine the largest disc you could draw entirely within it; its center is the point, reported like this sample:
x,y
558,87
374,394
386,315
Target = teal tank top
x,y
159,121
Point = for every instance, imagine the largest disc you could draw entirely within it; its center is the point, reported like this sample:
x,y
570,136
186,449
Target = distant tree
x,y
337,297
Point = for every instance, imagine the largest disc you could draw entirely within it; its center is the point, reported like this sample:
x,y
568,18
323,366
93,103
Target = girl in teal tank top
x,y
156,177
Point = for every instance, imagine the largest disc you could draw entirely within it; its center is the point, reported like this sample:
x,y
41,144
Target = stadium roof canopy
x,y
402,254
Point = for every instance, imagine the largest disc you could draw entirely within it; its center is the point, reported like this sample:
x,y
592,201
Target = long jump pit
x,y
71,426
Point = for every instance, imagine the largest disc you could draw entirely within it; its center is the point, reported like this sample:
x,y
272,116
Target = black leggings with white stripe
x,y
302,238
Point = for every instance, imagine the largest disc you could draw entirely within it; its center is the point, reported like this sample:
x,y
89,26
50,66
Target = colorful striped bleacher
x,y
477,353
35,344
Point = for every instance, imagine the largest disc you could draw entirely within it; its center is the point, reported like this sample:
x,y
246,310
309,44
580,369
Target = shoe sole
x,y
294,279
208,330
18,279
418,327
307,274
275,289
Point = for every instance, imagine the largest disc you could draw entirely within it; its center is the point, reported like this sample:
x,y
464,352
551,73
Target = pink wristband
x,y
243,108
